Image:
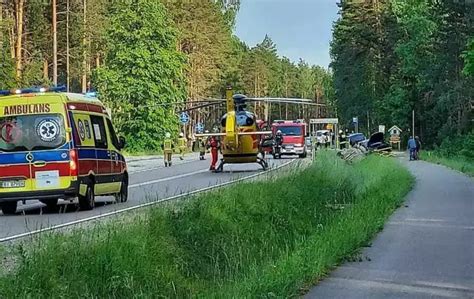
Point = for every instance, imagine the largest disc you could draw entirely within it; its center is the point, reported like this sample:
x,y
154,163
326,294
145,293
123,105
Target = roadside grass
x,y
459,163
258,239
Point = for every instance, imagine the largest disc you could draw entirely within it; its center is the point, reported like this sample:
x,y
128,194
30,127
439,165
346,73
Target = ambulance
x,y
56,145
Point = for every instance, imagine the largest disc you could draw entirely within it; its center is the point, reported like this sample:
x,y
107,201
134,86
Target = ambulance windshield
x,y
31,132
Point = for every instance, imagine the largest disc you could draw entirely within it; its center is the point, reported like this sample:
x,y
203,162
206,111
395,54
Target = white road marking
x,y
160,167
92,218
168,179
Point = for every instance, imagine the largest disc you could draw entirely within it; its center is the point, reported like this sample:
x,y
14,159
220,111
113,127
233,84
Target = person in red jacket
x,y
214,144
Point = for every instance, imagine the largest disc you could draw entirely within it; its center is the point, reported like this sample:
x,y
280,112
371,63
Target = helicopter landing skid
x,y
220,168
260,161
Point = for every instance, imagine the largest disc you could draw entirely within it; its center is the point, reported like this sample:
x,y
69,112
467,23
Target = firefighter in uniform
x,y
167,147
182,145
278,144
202,147
214,144
342,140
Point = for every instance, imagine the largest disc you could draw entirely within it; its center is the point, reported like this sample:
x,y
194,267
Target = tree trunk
x,y
55,44
45,70
68,78
19,5
84,43
1,27
11,32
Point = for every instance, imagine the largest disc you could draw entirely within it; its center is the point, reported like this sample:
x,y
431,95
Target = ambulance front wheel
x,y
9,208
87,201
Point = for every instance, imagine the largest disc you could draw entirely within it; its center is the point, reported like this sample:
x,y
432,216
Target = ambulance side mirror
x,y
122,142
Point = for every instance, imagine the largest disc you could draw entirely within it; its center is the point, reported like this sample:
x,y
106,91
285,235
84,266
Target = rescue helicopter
x,y
239,130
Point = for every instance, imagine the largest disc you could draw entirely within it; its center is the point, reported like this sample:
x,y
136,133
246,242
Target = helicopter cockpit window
x,y
245,119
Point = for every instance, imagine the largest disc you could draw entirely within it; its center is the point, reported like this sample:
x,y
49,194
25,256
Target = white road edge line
x,y
162,167
63,225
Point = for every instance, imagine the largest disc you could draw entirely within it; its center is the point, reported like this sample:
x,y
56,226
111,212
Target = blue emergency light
x,y
91,94
60,88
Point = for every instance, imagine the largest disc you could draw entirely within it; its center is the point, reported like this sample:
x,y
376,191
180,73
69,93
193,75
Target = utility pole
x,y
67,46
368,123
55,45
413,122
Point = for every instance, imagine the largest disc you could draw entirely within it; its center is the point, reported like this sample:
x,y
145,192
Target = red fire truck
x,y
294,133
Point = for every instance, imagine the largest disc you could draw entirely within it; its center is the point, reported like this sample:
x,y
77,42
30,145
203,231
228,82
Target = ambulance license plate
x,y
12,184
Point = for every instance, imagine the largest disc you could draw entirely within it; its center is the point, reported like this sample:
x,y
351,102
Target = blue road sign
x,y
199,127
184,118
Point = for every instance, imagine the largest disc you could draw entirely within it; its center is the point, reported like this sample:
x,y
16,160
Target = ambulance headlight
x,y
298,144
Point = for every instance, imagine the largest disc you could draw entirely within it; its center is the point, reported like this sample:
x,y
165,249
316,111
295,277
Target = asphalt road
x,y
426,250
149,181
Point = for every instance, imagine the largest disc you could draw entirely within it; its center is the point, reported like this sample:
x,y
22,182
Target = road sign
x,y
184,118
199,127
323,121
394,139
382,129
355,120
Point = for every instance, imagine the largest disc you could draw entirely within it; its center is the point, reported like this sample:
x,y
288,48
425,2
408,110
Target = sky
x,y
300,28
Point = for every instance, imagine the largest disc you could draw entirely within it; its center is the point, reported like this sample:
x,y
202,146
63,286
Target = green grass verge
x,y
461,164
257,239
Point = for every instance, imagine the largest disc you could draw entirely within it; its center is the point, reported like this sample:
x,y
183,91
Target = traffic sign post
x,y
199,128
184,118
355,121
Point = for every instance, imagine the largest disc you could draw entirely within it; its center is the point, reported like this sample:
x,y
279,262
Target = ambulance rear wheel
x,y
123,195
87,201
9,208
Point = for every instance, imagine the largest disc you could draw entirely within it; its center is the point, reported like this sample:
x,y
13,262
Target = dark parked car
x,y
376,142
356,138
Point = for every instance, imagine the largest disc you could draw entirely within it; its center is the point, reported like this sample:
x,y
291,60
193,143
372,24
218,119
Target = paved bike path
x,y
426,249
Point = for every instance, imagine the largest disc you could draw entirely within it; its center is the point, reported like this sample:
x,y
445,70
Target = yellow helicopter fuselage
x,y
246,149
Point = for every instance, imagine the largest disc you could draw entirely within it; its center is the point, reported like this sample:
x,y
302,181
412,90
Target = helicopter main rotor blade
x,y
286,101
210,134
199,107
255,133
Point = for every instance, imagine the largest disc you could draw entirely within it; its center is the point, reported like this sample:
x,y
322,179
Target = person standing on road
x,y
418,147
214,145
167,147
412,148
326,139
202,147
182,145
278,144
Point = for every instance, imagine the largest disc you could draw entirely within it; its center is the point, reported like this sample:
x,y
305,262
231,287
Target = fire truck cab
x,y
294,133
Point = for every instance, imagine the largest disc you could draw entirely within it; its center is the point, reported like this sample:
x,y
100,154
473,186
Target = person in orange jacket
x,y
214,144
